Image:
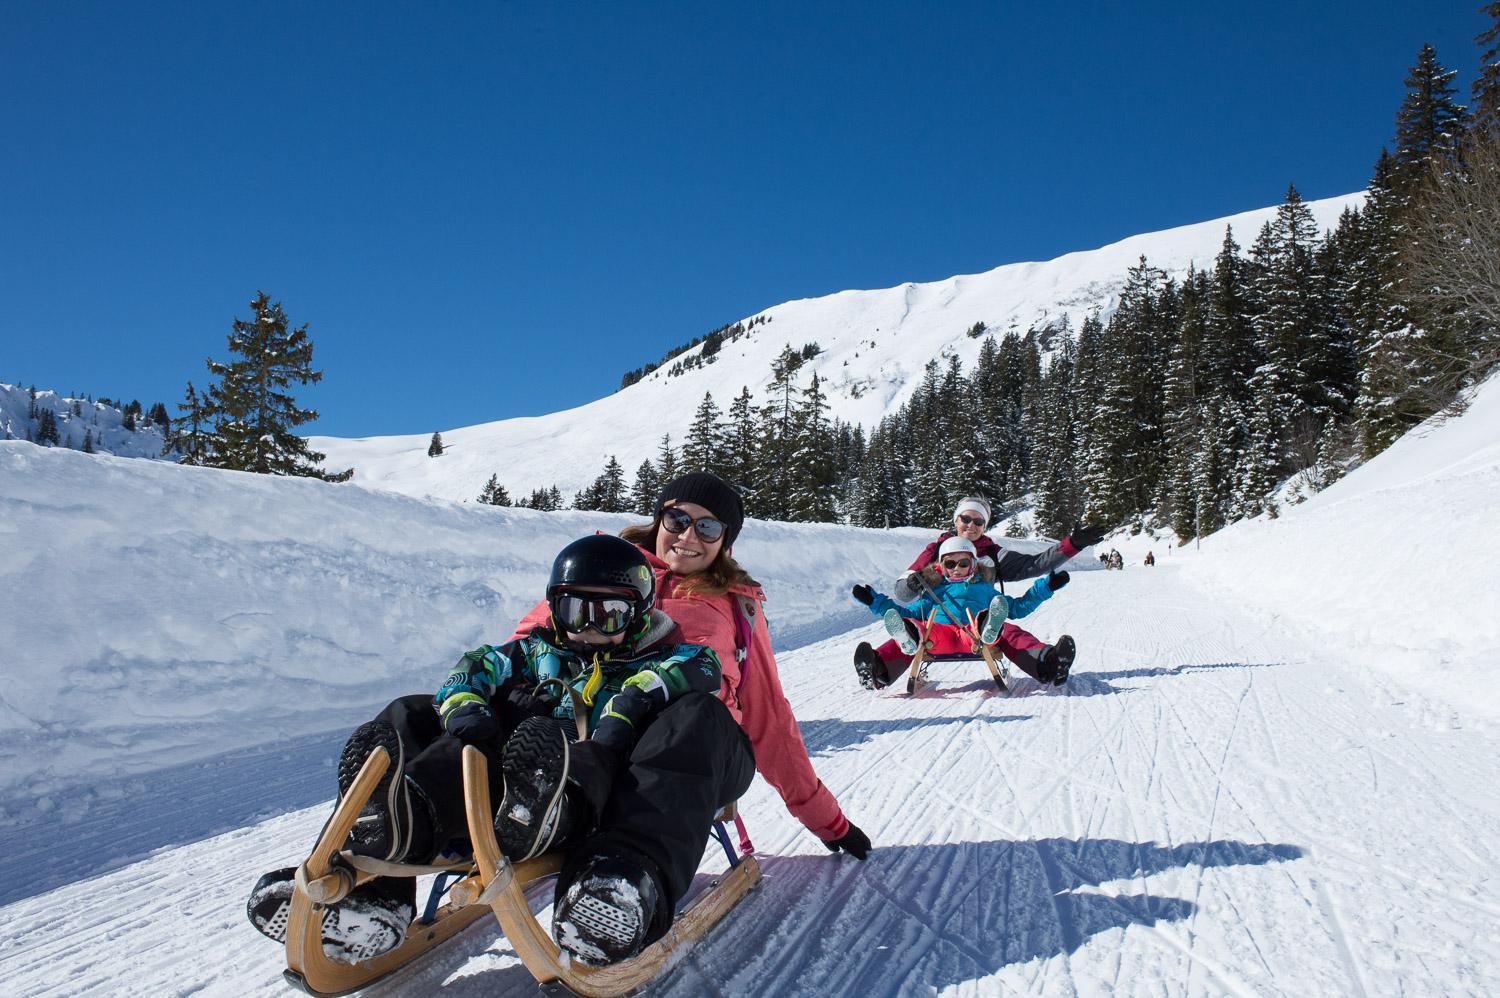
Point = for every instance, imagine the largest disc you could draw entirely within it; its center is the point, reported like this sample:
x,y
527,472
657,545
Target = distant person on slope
x,y
959,592
1043,662
631,806
716,603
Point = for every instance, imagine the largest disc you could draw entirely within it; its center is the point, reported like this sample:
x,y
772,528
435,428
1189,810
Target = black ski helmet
x,y
602,560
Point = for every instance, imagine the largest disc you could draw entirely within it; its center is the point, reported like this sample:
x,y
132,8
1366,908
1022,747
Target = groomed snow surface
x,y
1274,771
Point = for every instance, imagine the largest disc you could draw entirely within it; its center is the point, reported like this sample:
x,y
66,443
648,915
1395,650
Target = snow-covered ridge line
x,y
874,345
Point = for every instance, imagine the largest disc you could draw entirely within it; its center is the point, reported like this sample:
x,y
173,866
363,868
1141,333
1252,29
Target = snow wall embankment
x,y
1394,566
152,614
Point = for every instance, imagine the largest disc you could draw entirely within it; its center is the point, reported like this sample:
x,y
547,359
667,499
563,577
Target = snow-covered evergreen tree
x,y
700,452
435,445
253,412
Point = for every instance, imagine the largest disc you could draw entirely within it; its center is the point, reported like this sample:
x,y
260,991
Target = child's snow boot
x,y
999,610
371,920
605,915
537,813
396,823
895,626
869,667
1057,661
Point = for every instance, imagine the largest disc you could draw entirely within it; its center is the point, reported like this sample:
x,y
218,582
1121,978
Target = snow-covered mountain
x,y
874,345
103,425
1272,772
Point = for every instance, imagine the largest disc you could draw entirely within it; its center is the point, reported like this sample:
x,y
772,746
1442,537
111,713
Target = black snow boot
x,y
537,813
372,920
1057,661
606,914
869,667
396,822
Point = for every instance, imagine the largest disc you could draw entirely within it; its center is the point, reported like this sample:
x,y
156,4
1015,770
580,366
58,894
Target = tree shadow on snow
x,y
918,918
834,735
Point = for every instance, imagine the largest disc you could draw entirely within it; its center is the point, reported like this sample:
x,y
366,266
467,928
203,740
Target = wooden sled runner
x,y
917,677
487,883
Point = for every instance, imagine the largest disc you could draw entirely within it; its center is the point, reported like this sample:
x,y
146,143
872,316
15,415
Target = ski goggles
x,y
609,615
676,521
971,521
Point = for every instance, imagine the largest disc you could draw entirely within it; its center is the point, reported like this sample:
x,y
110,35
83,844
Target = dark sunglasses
x,y
954,564
970,521
676,522
609,615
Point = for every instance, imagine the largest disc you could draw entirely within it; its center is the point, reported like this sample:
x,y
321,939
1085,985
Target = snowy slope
x,y
874,346
1395,563
1228,798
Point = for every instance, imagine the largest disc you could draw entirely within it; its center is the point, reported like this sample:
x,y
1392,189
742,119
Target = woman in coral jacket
x,y
698,584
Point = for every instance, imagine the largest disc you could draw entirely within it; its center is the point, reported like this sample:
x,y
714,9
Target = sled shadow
x,y
109,825
1094,684
836,735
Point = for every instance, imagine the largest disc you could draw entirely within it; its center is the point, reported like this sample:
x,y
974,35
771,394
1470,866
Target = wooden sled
x,y
487,883
917,677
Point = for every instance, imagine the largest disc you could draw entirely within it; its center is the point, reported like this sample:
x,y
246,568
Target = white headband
x,y
973,506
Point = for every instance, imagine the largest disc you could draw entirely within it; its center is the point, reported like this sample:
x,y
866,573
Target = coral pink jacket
x,y
752,692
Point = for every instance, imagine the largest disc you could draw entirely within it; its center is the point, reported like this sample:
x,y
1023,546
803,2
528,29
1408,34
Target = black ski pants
x,y
434,762
659,805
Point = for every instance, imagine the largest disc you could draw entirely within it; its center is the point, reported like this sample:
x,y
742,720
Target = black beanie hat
x,y
713,494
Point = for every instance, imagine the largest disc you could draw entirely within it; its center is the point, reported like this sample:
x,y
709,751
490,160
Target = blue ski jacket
x,y
970,595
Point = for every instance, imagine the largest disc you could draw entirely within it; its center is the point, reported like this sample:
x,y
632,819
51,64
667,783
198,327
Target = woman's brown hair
x,y
717,579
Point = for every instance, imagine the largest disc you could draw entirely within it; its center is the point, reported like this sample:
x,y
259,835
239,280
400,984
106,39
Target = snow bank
x,y
152,614
1393,566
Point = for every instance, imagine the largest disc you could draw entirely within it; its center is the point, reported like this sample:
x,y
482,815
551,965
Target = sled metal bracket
x,y
504,874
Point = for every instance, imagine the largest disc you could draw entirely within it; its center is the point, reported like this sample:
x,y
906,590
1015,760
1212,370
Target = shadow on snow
x,y
911,919
834,735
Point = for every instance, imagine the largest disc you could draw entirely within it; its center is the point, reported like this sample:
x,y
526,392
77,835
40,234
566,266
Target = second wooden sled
x,y
924,657
486,883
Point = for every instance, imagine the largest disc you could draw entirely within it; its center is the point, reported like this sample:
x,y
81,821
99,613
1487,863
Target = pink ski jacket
x,y
752,692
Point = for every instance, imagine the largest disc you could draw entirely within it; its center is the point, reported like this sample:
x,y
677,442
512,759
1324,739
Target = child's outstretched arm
x,y
879,603
1039,592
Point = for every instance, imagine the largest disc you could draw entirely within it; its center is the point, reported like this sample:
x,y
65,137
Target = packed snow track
x,y
1208,807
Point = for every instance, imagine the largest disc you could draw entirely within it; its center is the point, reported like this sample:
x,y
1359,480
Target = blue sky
x,y
495,209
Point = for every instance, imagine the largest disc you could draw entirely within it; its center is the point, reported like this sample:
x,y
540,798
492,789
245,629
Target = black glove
x,y
864,594
472,722
1084,537
855,842
1057,580
527,705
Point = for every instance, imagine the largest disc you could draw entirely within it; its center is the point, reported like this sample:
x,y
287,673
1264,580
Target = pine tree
x,y
607,492
740,444
254,414
1183,411
645,490
493,492
88,441
1429,123
47,428
435,445
812,478
701,450
31,404
192,435
667,467
1485,125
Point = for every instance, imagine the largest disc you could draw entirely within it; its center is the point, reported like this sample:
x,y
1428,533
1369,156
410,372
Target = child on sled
x,y
979,604
631,806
